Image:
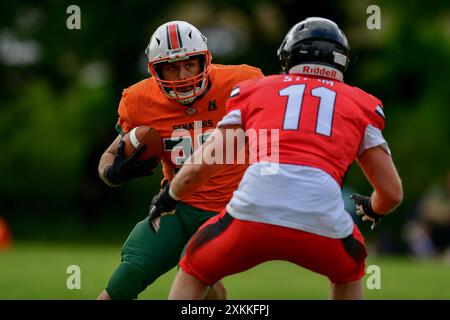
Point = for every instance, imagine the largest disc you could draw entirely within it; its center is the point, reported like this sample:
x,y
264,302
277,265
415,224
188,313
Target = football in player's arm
x,y
297,213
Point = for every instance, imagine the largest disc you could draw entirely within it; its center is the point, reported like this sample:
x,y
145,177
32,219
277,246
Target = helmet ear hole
x,y
202,61
157,67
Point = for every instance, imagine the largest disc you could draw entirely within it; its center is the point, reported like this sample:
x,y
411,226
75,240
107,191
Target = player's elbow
x,y
398,196
191,175
194,173
397,193
205,171
395,199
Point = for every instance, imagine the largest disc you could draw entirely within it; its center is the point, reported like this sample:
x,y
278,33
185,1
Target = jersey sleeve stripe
x,y
234,117
235,92
379,111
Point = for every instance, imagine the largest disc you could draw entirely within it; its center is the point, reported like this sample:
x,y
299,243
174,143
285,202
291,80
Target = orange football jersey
x,y
144,104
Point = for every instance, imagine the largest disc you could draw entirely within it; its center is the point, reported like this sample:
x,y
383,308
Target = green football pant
x,y
146,255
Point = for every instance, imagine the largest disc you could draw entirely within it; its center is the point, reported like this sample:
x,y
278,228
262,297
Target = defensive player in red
x,y
297,213
187,92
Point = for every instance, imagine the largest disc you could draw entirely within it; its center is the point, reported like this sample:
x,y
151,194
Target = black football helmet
x,y
317,41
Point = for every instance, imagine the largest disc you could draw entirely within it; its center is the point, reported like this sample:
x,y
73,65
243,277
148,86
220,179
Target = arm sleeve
x,y
255,73
123,123
236,107
376,116
234,117
373,138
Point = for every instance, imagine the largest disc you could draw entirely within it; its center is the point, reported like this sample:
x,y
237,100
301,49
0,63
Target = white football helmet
x,y
174,41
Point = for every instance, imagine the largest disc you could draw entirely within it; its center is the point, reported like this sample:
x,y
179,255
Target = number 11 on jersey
x,y
295,94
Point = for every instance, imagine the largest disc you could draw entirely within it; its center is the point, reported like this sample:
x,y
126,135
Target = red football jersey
x,y
321,122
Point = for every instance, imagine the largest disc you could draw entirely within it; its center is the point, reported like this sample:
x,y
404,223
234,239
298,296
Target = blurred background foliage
x,y
60,89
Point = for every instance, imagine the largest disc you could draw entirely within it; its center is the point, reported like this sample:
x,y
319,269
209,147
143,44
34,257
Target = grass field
x,y
38,271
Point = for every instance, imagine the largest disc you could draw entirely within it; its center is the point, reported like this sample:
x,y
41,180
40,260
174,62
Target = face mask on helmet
x,y
315,46
177,41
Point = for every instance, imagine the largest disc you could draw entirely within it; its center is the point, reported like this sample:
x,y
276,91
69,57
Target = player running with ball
x,y
185,92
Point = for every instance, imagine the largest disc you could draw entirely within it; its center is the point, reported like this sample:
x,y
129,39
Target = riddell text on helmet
x,y
320,71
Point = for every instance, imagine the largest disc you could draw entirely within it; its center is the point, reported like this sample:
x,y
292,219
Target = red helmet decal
x,y
173,36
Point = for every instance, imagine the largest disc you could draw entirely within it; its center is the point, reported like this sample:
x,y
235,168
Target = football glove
x,y
162,204
365,211
124,169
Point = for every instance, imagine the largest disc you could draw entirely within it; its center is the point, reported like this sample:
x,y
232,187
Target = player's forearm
x,y
106,160
380,170
195,171
190,178
385,202
388,193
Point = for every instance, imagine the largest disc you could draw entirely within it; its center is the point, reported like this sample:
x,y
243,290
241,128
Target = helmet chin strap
x,y
180,95
188,100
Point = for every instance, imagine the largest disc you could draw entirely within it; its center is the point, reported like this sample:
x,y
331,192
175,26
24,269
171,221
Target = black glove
x,y
364,209
124,169
162,204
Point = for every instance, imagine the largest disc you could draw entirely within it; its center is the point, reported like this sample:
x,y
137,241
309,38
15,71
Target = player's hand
x,y
124,169
365,211
162,204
